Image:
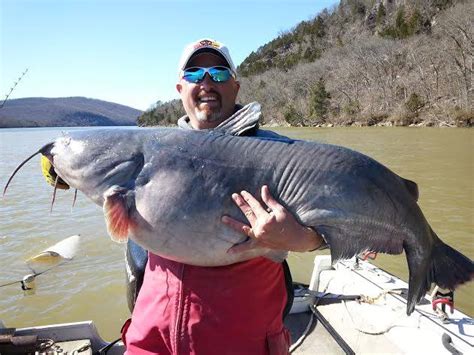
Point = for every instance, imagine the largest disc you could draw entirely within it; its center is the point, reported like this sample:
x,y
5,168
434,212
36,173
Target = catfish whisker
x,y
54,193
74,200
42,151
16,170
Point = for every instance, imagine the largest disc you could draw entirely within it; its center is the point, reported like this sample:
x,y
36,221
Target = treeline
x,y
387,62
424,79
310,39
162,114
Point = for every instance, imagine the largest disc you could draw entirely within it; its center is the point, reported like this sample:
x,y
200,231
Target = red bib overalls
x,y
183,309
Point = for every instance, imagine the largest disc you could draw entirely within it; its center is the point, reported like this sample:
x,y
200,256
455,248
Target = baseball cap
x,y
202,46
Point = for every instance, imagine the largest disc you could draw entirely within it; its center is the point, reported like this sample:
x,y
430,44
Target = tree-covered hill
x,y
362,62
65,112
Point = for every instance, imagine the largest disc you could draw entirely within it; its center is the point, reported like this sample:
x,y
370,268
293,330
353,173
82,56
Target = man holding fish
x,y
168,190
233,309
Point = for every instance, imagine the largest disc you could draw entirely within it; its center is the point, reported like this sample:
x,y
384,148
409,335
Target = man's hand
x,y
271,226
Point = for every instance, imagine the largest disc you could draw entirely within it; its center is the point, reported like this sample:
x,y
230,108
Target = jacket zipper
x,y
179,313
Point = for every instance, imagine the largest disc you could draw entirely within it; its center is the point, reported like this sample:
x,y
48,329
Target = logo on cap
x,y
207,43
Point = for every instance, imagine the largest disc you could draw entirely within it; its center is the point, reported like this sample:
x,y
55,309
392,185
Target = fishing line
x,y
11,283
34,275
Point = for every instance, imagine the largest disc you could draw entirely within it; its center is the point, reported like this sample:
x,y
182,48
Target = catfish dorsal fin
x,y
117,212
412,188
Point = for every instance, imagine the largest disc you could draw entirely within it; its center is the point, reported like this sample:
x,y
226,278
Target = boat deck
x,y
326,318
379,323
318,340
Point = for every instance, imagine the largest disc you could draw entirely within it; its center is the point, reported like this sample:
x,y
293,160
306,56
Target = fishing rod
x,y
13,88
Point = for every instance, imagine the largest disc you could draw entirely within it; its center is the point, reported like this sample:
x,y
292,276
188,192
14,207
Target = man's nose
x,y
207,82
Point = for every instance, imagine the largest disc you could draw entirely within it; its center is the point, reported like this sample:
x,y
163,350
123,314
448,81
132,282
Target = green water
x,y
92,286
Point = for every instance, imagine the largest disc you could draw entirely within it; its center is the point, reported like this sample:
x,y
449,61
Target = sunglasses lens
x,y
194,75
220,74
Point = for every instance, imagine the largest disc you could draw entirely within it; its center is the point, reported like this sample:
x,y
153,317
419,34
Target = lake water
x,y
92,286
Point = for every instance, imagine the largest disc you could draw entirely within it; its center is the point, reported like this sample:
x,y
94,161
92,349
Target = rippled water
x,y
92,285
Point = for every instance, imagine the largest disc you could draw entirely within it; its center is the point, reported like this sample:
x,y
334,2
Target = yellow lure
x,y
50,175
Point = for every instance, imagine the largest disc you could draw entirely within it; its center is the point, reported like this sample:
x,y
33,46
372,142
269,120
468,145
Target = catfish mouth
x,y
48,170
49,173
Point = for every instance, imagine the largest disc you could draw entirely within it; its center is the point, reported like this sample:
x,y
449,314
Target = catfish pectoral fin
x,y
117,211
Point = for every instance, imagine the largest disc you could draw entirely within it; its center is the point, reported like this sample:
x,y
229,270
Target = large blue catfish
x,y
167,189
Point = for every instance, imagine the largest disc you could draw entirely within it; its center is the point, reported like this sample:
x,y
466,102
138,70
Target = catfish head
x,y
93,163
103,167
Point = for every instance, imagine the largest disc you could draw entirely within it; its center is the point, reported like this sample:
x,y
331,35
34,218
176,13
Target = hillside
x,y
65,112
362,62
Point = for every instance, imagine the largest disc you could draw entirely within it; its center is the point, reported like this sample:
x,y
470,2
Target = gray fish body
x,y
176,185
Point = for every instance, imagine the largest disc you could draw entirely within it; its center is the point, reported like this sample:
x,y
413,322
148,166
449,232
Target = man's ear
x,y
179,87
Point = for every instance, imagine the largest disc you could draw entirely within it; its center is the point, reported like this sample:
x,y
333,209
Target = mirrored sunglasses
x,y
218,74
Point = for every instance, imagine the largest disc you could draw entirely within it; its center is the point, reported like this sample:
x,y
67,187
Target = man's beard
x,y
203,116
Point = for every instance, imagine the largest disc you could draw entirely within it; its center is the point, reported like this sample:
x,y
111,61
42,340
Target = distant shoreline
x,y
273,125
32,127
442,124
65,112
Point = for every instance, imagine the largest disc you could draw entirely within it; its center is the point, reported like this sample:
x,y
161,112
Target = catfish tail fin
x,y
445,266
449,268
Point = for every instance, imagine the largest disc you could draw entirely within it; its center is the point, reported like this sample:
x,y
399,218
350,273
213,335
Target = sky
x,y
126,51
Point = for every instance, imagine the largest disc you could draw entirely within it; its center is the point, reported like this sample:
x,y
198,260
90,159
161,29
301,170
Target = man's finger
x,y
254,204
269,200
238,226
245,208
240,248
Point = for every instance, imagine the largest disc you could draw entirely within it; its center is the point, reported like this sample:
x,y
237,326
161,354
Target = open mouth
x,y
50,174
208,99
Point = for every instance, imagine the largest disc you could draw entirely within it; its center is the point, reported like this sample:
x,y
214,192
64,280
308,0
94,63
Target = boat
x,y
351,307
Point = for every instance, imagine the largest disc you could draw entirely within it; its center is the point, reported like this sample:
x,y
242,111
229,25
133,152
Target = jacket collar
x,y
244,119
